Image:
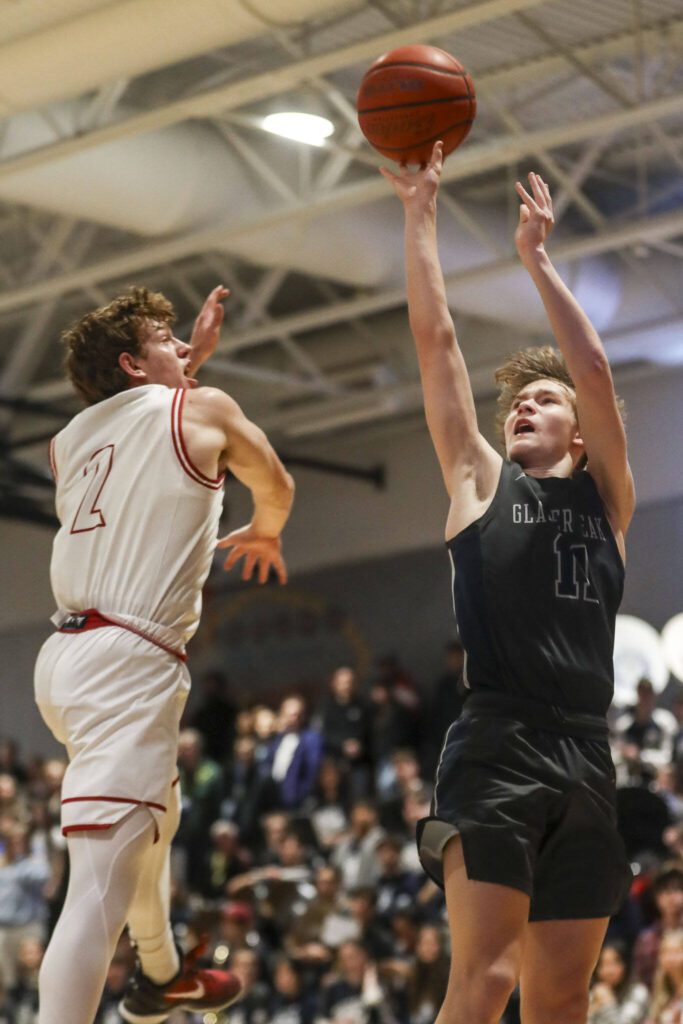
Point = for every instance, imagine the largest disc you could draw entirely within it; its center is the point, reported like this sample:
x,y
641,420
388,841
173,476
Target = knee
x,y
479,995
569,1004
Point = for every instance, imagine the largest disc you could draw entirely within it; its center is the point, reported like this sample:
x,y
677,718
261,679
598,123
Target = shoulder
x,y
210,403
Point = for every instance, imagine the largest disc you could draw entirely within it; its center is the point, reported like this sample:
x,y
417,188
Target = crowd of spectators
x,y
295,859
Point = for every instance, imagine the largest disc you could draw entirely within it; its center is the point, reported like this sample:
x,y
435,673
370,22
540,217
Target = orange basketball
x,y
413,96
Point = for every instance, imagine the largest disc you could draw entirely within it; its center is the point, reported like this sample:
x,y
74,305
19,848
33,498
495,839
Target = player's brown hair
x,y
94,343
526,366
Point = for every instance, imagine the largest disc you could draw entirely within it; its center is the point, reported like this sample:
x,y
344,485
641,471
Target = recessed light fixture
x,y
292,124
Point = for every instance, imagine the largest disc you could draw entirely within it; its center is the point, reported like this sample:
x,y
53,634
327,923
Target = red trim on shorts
x,y
213,483
95,620
83,828
51,458
114,800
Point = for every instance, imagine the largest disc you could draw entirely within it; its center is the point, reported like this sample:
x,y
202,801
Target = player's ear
x,y
130,366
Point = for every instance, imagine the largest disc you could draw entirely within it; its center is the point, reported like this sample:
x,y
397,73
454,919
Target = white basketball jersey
x,y
138,519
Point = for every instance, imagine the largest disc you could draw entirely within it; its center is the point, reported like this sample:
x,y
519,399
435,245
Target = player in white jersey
x,y
139,477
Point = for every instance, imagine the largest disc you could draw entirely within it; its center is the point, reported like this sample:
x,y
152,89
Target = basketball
x,y
410,98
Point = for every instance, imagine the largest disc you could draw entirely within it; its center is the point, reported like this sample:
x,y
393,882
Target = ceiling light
x,y
308,128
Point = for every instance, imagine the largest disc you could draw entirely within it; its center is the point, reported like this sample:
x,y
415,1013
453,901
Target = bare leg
x,y
104,872
488,926
559,959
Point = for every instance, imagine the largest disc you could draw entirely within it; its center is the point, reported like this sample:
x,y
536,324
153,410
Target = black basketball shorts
x,y
530,791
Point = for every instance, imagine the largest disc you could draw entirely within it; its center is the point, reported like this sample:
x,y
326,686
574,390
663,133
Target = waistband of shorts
x,y
91,618
537,715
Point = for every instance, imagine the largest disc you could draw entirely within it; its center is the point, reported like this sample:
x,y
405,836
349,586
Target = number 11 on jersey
x,y
572,575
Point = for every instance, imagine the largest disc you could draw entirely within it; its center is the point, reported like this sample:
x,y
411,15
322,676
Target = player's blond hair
x,y
94,343
523,368
529,365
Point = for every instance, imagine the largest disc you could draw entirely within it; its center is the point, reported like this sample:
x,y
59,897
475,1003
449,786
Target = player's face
x,y
541,427
166,358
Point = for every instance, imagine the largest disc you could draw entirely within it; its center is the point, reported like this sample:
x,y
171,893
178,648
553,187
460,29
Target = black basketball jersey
x,y
537,583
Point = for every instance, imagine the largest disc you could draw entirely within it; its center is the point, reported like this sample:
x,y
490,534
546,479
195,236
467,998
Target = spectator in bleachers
x,y
323,925
23,909
406,779
292,1002
327,805
345,722
667,994
243,791
376,937
12,799
396,888
355,993
201,787
668,894
10,762
25,990
236,930
277,887
614,998
446,703
253,1006
355,854
645,733
395,718
215,716
225,861
427,976
294,755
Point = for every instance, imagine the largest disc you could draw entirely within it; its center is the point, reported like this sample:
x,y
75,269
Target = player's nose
x,y
182,348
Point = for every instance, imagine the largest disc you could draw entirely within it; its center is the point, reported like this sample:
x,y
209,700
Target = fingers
x,y
528,200
436,159
248,567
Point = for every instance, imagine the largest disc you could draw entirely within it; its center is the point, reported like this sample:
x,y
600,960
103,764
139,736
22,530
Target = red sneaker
x,y
193,988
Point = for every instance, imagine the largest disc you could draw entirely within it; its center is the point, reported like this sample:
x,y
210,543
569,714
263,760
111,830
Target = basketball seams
x,y
432,138
416,64
415,103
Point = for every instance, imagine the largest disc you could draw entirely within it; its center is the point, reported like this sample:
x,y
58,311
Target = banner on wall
x,y
270,640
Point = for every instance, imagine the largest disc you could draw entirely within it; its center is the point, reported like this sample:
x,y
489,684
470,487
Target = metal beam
x,y
278,80
483,157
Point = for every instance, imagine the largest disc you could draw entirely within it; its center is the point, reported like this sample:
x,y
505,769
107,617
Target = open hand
x,y
260,553
207,327
536,219
415,186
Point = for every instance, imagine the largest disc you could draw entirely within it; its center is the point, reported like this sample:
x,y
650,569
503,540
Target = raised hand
x,y
207,328
260,553
536,218
421,186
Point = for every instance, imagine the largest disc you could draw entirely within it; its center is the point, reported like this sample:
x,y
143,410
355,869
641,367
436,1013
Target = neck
x,y
562,467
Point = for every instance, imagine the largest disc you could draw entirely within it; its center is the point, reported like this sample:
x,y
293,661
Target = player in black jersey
x,y
522,833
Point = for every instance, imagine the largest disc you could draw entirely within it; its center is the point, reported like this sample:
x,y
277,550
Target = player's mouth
x,y
190,382
524,427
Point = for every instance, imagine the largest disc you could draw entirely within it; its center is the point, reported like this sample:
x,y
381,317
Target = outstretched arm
x,y
600,423
448,399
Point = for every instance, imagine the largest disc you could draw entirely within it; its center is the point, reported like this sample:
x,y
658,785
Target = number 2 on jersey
x,y
95,475
572,577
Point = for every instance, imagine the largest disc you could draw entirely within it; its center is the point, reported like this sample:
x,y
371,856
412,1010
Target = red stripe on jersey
x,y
114,800
213,483
51,458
